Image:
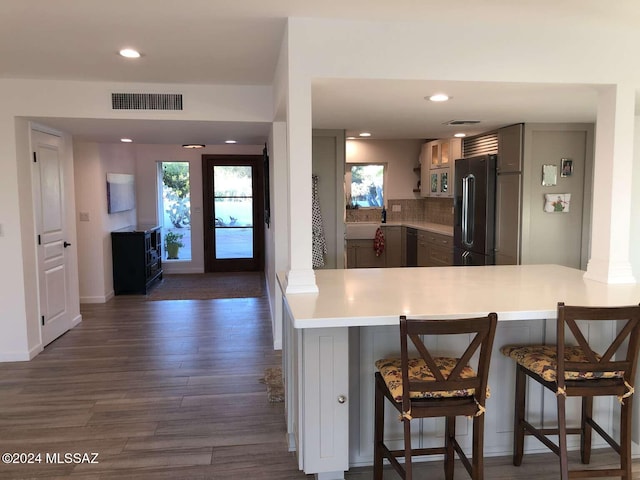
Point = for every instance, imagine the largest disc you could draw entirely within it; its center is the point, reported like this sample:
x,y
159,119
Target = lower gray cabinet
x,y
393,246
360,254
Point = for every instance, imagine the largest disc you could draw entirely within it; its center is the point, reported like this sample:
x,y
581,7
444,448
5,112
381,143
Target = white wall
x,y
92,162
635,200
401,157
277,234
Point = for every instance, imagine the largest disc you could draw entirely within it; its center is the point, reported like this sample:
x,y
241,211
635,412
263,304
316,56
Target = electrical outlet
x,y
396,208
84,216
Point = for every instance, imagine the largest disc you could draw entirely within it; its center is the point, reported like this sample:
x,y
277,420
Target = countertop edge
x,y
426,226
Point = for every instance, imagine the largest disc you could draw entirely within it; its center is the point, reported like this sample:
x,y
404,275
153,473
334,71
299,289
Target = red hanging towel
x,y
378,242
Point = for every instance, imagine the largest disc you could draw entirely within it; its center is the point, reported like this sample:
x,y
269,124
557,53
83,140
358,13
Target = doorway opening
x,y
233,212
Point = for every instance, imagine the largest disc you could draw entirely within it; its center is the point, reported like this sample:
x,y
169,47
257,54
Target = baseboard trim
x,y
76,321
177,268
21,356
97,299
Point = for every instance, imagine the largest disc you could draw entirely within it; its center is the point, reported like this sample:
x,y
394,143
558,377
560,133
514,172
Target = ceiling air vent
x,y
462,122
146,101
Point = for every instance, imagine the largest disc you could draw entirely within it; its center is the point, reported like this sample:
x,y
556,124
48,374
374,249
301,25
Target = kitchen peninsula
x,y
333,337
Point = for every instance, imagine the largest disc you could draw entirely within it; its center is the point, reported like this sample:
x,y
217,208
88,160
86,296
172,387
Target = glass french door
x,y
234,239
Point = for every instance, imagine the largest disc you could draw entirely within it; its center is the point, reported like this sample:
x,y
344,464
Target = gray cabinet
x,y
360,254
434,249
439,250
423,249
509,195
393,246
510,142
508,207
438,158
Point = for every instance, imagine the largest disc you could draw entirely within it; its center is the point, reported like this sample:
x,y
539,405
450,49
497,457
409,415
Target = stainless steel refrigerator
x,y
475,209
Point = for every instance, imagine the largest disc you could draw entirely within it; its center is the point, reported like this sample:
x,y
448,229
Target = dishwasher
x,y
412,247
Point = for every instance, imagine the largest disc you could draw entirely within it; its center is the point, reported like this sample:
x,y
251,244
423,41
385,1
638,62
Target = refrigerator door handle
x,y
468,208
465,207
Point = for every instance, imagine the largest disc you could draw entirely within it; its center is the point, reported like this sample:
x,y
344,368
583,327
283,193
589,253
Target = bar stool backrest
x,y
413,329
619,360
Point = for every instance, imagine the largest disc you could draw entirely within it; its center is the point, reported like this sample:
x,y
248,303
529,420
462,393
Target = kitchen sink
x,y
360,230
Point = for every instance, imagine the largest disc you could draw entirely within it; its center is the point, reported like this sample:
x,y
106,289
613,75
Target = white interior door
x,y
53,279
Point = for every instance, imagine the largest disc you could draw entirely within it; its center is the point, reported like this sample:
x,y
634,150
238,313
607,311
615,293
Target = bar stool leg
x,y
585,436
378,433
518,416
625,438
407,450
449,435
477,462
562,437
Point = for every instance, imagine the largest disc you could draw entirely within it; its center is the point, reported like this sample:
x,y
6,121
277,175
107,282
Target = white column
x,y
612,177
301,277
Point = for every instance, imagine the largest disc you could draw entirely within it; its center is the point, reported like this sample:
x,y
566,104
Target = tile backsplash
x,y
434,210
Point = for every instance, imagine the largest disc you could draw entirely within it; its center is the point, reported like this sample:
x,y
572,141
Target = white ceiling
x,y
224,42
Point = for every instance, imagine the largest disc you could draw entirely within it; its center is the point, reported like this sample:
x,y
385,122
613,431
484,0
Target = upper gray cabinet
x,y
438,161
510,142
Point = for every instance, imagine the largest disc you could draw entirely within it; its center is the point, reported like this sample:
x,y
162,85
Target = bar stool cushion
x,y
542,360
391,372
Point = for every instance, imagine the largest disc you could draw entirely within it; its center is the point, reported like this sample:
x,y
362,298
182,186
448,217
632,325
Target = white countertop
x,y
378,296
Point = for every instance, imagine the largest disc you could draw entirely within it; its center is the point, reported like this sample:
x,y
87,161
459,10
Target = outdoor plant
x,y
172,243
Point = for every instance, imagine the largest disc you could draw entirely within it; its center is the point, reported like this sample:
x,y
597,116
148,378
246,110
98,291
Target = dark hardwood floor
x,y
159,389
167,390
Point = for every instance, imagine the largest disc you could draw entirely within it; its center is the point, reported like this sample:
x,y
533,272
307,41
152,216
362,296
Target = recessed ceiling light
x,y
129,53
460,135
365,134
126,140
439,97
193,145
230,141
351,138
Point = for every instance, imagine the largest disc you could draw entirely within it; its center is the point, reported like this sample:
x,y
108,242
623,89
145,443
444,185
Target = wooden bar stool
x,y
431,386
576,370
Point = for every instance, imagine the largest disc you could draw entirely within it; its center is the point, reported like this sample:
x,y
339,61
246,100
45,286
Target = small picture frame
x,y
549,175
566,167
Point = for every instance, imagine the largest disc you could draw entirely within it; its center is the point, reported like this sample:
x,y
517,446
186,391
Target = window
x,y
365,185
174,205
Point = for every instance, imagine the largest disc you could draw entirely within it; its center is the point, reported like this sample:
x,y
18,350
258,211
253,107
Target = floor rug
x,y
275,388
207,286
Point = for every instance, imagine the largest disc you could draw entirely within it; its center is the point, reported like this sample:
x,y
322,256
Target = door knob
x,y
65,244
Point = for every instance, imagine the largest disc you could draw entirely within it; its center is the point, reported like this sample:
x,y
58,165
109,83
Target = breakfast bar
x,y
333,337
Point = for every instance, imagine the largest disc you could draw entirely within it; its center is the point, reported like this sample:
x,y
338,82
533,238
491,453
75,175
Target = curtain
x,y
319,242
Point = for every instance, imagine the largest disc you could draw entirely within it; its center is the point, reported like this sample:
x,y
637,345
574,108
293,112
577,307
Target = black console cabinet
x,y
137,258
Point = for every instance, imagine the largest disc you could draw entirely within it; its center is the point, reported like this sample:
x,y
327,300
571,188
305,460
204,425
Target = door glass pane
x,y
233,207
